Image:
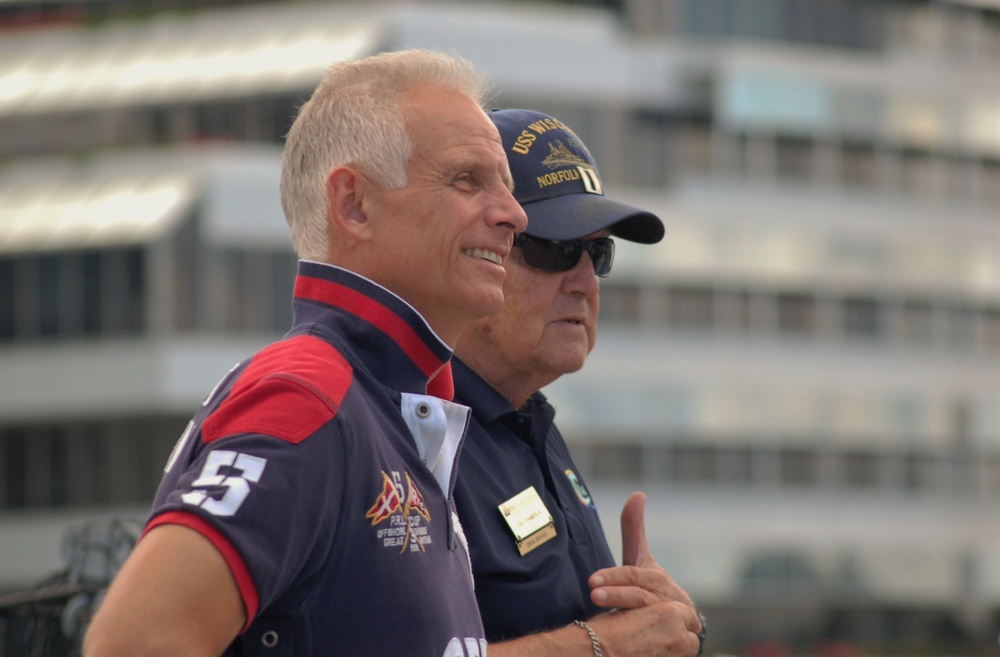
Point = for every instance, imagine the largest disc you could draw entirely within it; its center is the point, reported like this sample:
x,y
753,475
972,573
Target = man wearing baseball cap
x,y
546,582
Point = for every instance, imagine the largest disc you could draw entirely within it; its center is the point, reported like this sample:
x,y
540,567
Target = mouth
x,y
484,254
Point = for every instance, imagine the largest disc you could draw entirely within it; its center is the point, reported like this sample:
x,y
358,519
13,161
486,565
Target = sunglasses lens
x,y
602,253
550,255
563,255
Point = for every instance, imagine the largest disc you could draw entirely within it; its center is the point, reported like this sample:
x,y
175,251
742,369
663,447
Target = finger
x,y
635,548
622,597
655,581
651,579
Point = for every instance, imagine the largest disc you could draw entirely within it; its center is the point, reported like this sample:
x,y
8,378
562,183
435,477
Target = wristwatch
x,y
703,633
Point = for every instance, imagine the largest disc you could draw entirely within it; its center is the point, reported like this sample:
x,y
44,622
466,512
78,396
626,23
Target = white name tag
x,y
528,518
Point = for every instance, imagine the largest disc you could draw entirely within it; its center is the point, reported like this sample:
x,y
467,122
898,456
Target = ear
x,y
346,206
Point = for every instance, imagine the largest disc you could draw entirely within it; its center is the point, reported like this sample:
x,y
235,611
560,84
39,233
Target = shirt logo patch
x,y
581,491
406,512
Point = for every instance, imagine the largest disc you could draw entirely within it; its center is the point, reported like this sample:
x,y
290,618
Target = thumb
x,y
635,549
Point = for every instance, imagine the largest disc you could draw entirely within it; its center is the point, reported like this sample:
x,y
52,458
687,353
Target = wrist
x,y
594,642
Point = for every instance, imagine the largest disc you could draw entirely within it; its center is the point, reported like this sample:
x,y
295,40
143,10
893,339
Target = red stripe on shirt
x,y
334,294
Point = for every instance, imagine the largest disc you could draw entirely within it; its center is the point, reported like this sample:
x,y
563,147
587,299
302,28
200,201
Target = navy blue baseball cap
x,y
557,183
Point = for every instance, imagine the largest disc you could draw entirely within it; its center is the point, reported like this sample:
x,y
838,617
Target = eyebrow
x,y
508,179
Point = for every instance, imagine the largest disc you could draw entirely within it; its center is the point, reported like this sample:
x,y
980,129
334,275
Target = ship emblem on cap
x,y
560,156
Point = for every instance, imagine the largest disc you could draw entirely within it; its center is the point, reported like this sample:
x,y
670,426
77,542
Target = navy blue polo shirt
x,y
507,450
322,471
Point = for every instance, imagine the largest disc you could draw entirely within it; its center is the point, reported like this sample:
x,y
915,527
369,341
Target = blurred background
x,y
804,376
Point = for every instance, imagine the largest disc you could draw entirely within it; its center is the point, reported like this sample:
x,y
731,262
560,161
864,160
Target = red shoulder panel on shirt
x,y
289,390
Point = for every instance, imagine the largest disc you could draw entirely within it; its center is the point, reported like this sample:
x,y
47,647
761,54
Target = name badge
x,y
528,518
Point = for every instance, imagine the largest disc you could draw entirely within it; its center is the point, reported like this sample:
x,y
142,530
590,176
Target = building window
x,y
923,174
7,296
861,470
991,330
694,148
797,314
989,183
780,574
857,164
917,323
690,308
799,467
794,158
617,462
620,303
82,464
962,327
861,318
694,465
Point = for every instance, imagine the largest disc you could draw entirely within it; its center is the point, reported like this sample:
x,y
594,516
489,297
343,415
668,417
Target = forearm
x,y
666,628
569,641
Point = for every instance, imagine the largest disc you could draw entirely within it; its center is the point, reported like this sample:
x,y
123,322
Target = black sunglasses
x,y
563,255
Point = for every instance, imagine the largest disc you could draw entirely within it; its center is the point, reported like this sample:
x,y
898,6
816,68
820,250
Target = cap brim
x,y
577,215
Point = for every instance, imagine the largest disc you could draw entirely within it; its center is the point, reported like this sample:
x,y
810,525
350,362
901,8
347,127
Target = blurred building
x,y
804,376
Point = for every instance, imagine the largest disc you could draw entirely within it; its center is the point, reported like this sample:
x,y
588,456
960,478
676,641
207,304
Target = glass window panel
x,y
6,299
70,312
861,318
780,574
83,465
14,480
91,291
732,311
989,183
857,162
961,327
694,148
922,174
991,330
695,465
617,462
917,323
918,472
620,303
691,307
861,469
136,288
48,295
114,294
184,268
799,467
232,291
794,158
284,267
796,314
735,466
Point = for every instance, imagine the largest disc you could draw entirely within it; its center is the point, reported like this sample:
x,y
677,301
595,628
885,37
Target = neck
x,y
513,385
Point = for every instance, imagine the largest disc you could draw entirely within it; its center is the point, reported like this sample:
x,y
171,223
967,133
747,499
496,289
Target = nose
x,y
581,279
509,213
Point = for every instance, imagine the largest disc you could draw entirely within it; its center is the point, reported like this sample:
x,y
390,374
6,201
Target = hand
x,y
652,616
662,629
640,581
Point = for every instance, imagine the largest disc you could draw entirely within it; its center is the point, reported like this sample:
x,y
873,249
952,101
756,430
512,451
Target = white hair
x,y
353,117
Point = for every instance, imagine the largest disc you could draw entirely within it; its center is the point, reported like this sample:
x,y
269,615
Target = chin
x,y
571,364
486,302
